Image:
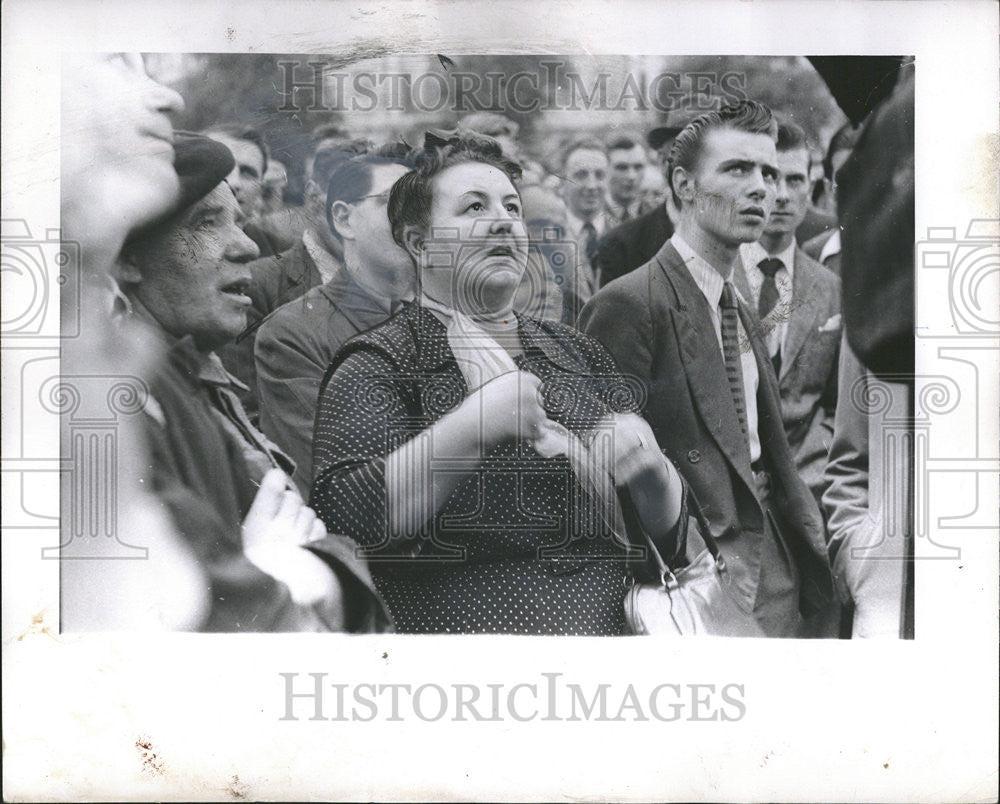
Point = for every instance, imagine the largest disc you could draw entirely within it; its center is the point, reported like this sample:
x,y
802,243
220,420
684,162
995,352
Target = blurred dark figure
x,y
875,205
825,247
297,342
270,564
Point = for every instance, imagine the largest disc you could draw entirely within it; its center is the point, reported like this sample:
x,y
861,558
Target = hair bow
x,y
441,138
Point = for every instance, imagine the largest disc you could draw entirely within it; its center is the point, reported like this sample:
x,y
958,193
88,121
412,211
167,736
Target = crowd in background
x,y
457,303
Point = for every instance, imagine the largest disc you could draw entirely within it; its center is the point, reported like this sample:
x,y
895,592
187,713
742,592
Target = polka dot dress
x,y
519,547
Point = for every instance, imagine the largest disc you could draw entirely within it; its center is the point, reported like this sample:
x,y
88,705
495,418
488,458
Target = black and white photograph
x,y
365,365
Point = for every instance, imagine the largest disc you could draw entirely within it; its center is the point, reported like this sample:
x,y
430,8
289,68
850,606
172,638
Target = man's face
x,y
116,136
379,252
544,216
193,276
791,192
730,191
586,182
247,178
627,168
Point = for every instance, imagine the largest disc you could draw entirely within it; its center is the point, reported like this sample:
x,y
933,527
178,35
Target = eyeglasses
x,y
383,197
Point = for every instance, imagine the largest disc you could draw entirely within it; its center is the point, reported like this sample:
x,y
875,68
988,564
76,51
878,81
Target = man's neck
x,y
323,238
585,217
776,243
624,203
369,281
721,256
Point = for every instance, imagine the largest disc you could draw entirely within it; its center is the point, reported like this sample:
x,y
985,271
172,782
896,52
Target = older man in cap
x,y
270,563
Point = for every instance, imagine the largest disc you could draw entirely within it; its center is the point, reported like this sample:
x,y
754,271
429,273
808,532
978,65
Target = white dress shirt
x,y
710,282
775,326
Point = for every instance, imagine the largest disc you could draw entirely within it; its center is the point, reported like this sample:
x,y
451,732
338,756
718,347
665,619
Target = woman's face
x,y
476,247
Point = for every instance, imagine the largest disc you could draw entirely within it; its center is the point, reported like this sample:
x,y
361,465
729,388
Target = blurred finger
x,y
269,495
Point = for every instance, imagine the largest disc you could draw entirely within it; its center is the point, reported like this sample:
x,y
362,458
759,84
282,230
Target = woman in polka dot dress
x,y
473,452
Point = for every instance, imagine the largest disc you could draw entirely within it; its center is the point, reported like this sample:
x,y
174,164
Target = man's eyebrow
x,y
205,212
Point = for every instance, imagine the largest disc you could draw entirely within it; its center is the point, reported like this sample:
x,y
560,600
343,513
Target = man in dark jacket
x,y
678,326
300,339
270,563
634,242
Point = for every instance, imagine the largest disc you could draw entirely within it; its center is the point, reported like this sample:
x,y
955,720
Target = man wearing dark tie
x,y
627,165
798,304
584,189
679,327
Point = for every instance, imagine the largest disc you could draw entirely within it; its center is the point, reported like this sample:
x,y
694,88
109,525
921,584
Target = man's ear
x,y
413,239
340,213
683,183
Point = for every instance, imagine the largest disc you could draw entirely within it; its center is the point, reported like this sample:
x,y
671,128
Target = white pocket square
x,y
832,323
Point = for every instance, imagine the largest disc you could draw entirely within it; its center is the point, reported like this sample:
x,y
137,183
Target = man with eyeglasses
x,y
297,342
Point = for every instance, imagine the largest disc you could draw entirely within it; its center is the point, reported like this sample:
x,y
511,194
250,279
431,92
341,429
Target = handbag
x,y
694,600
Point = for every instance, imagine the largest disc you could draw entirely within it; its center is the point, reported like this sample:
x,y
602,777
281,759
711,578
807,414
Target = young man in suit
x,y
797,301
678,326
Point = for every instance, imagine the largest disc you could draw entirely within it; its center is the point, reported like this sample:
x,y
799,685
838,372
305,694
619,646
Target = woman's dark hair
x,y
411,196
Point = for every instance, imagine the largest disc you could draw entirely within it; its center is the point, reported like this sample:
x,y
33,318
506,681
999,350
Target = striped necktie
x,y
731,352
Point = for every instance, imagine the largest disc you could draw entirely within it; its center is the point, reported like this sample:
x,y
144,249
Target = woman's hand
x,y
653,484
510,407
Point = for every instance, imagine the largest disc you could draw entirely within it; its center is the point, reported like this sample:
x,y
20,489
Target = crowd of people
x,y
454,389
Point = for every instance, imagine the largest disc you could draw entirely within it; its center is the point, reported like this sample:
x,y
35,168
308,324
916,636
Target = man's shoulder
x,y
630,229
297,316
814,246
826,278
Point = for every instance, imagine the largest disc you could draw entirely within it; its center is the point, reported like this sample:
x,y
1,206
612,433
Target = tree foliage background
x,y
252,89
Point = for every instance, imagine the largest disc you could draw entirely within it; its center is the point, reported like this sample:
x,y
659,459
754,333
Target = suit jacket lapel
x,y
703,363
802,315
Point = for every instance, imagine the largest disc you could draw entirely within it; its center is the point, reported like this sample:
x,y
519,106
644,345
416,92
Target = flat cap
x,y
201,163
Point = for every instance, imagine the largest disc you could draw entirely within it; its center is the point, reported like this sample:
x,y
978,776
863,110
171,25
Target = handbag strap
x,y
706,535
